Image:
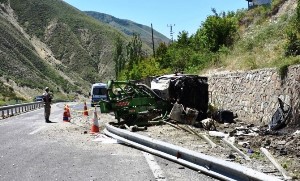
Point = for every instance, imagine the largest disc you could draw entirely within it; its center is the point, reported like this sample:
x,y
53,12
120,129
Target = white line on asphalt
x,y
155,168
37,130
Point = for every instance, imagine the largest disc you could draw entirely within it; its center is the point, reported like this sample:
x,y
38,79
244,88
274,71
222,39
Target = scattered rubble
x,y
237,142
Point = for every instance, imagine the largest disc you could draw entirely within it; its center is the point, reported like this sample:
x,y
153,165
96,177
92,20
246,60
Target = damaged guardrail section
x,y
210,165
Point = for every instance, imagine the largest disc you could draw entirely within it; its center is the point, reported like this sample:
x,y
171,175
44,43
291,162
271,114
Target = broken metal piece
x,y
275,163
236,149
212,144
218,134
136,128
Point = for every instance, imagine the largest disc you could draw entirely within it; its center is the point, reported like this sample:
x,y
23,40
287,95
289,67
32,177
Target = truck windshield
x,y
99,91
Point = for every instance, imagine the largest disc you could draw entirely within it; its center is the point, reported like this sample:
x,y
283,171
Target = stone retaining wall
x,y
253,95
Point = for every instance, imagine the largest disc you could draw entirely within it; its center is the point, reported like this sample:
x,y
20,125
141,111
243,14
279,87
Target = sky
x,y
181,15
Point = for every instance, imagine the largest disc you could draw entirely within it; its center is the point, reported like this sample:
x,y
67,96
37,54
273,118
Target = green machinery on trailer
x,y
133,103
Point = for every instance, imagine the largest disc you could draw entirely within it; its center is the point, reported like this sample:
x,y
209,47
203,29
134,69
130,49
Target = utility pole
x,y
152,41
171,31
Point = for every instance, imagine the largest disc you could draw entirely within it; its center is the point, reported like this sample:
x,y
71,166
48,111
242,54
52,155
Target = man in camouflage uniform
x,y
47,98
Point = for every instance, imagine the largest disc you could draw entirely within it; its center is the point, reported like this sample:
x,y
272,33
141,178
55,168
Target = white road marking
x,y
37,130
105,139
155,168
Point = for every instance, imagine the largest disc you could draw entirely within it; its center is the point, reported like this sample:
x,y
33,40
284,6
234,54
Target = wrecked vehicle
x,y
134,103
189,90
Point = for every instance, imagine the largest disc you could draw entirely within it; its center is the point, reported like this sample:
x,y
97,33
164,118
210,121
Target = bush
x,y
293,46
283,70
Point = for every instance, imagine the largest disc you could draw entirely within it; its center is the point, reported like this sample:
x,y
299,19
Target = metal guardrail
x,y
7,111
213,166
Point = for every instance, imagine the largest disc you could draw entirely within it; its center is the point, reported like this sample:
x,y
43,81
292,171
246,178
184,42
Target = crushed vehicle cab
x,y
189,90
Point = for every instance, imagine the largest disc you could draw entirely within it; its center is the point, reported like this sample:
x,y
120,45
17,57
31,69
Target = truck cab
x,y
98,93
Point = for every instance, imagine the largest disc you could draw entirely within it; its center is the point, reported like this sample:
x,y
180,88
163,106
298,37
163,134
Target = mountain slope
x,y
50,43
129,27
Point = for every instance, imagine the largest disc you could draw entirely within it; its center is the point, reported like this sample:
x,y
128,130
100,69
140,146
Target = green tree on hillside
x,y
161,55
183,39
183,52
119,57
218,30
134,51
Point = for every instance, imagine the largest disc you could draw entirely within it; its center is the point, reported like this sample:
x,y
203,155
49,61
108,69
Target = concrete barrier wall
x,y
253,95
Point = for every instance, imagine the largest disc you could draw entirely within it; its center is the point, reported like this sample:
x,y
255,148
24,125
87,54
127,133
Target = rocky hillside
x,y
129,27
263,37
50,43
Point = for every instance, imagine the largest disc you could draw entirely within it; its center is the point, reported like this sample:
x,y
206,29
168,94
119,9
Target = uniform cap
x,y
47,88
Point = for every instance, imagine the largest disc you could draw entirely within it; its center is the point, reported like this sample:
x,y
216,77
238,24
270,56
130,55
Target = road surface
x,y
34,150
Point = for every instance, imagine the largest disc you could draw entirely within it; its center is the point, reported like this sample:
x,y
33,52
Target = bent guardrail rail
x,y
207,164
7,111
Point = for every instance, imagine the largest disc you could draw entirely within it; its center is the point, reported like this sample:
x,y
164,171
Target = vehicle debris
x,y
218,134
236,149
208,124
186,116
203,136
281,116
275,163
134,128
223,116
296,133
244,144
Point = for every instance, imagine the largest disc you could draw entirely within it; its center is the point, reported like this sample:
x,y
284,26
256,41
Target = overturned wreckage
x,y
191,91
136,103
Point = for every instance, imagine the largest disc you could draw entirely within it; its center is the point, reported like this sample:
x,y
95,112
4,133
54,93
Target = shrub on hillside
x,y
293,46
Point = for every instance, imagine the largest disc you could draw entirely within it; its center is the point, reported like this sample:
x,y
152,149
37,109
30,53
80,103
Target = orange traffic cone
x,y
85,111
65,115
95,126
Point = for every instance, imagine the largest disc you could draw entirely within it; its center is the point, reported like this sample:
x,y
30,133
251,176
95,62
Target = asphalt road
x,y
34,150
